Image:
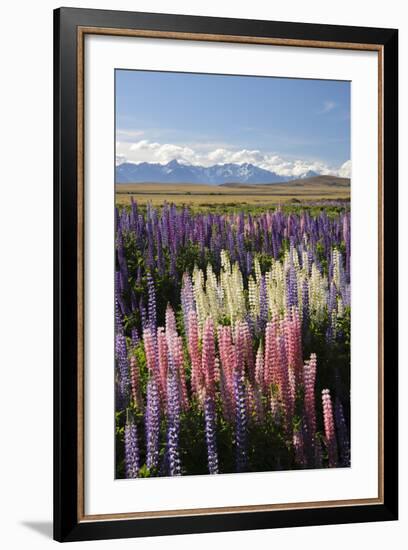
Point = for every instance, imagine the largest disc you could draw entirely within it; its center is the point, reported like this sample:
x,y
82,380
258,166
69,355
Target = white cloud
x,y
345,170
327,107
120,159
162,153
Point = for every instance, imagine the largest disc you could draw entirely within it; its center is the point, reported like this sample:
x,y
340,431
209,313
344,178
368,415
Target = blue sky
x,y
283,124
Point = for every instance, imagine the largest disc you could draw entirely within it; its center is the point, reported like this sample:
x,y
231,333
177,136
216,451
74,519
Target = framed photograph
x,y
225,274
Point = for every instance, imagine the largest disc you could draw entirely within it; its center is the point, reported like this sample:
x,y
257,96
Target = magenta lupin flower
x,y
329,428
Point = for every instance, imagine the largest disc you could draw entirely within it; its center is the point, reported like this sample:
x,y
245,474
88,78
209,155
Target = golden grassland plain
x,y
201,196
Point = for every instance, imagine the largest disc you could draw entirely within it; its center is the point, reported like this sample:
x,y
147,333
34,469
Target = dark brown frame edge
x,y
67,527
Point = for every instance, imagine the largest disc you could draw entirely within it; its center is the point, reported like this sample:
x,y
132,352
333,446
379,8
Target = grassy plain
x,y
203,196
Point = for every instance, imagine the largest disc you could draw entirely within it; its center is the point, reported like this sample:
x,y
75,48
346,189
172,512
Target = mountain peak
x,y
176,172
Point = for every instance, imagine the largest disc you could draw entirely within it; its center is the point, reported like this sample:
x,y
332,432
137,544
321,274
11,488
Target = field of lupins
x,y
232,340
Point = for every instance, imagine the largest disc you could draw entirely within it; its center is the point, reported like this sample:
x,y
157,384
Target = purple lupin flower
x,y
173,420
241,251
342,433
123,269
187,299
151,303
118,318
132,459
152,424
291,287
346,237
122,366
240,422
208,367
248,262
298,445
210,428
318,454
150,240
263,303
305,305
119,302
160,258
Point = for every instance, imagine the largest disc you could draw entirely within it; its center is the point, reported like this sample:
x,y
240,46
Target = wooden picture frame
x,y
70,28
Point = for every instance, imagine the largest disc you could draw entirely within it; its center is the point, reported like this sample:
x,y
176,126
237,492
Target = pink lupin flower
x,y
208,358
297,325
285,392
288,332
163,361
271,354
329,428
259,367
250,400
217,369
150,350
226,403
239,349
170,321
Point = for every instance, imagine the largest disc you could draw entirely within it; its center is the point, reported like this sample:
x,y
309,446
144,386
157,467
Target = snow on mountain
x,y
175,172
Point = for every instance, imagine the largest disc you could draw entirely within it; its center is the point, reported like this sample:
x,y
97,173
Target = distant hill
x,y
311,181
219,174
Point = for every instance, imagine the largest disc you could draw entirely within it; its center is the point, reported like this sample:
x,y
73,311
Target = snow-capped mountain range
x,y
175,172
